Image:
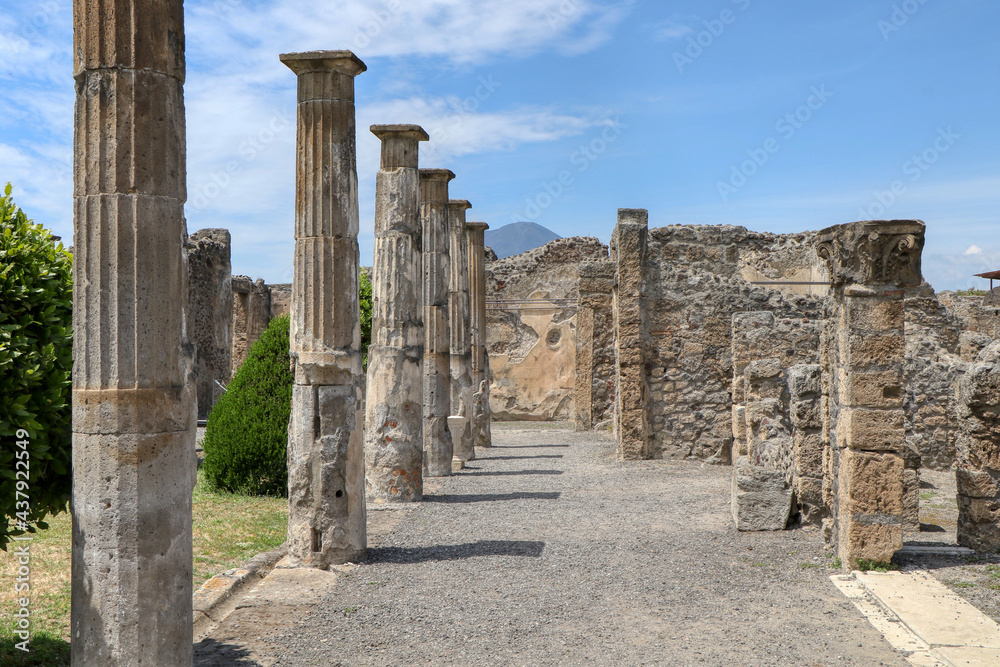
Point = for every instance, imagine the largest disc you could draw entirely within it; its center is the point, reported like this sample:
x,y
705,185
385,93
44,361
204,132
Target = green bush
x,y
36,360
365,306
246,438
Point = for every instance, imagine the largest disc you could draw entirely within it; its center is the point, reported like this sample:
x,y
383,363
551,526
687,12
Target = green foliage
x,y
365,302
866,565
36,360
246,438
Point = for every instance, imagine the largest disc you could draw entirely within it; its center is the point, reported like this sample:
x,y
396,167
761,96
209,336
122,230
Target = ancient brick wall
x,y
694,286
532,301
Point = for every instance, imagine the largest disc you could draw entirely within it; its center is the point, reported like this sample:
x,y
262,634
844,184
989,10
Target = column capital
x,y
400,145
476,226
460,204
635,216
880,252
434,186
437,175
341,62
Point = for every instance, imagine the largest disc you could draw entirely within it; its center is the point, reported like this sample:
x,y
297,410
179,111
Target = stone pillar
x,y
458,321
394,444
326,497
133,398
593,393
806,403
978,453
251,315
870,265
438,447
210,312
628,251
481,431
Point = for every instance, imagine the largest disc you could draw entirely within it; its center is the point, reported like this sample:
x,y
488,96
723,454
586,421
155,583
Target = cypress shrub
x,y
247,433
36,361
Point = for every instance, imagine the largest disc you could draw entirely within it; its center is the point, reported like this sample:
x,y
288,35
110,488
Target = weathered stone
x,y
593,391
134,406
438,445
210,313
251,315
394,443
460,345
326,495
628,251
978,453
873,252
762,499
871,429
481,431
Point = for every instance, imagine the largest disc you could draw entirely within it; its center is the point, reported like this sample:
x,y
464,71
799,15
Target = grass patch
x,y
866,565
808,566
228,529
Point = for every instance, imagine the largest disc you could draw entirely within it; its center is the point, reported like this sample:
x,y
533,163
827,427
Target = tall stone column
x,y
870,265
628,251
326,495
394,444
133,395
481,432
438,447
594,344
458,321
210,312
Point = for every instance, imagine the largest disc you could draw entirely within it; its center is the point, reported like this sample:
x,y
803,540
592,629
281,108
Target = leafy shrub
x,y
36,360
246,438
365,306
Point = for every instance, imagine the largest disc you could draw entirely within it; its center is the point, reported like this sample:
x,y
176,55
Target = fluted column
x,y
481,431
438,447
870,265
394,408
458,321
326,497
133,405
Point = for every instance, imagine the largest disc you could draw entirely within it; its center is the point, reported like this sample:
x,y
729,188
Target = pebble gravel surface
x,y
548,551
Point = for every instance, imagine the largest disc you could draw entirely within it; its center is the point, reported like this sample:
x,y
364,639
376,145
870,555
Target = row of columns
x,y
133,398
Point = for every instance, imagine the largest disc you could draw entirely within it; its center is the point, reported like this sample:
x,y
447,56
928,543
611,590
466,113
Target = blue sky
x,y
779,116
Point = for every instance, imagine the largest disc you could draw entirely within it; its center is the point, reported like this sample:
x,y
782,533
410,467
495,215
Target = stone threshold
x,y
922,619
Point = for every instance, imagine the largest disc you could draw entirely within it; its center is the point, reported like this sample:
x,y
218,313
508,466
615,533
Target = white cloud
x,y
973,250
671,29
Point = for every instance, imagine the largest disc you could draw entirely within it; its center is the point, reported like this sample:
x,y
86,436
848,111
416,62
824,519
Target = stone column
x,y
394,444
458,321
481,432
870,265
326,496
210,312
806,402
593,396
133,398
978,453
438,447
628,251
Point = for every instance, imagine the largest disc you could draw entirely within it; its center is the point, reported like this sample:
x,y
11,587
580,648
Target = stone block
x,y
871,430
874,314
979,524
876,389
739,422
877,542
977,483
875,348
809,448
806,415
805,381
871,483
763,369
761,499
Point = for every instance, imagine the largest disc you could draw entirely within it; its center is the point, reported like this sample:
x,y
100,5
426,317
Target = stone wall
x,y
209,316
251,315
694,286
595,347
532,301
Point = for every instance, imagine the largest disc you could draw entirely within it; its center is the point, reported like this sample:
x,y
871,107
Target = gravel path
x,y
547,551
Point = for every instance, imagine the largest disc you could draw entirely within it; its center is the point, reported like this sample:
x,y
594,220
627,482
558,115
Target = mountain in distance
x,y
518,237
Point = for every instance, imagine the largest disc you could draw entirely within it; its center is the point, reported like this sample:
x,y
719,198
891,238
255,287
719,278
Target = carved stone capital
x,y
875,252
